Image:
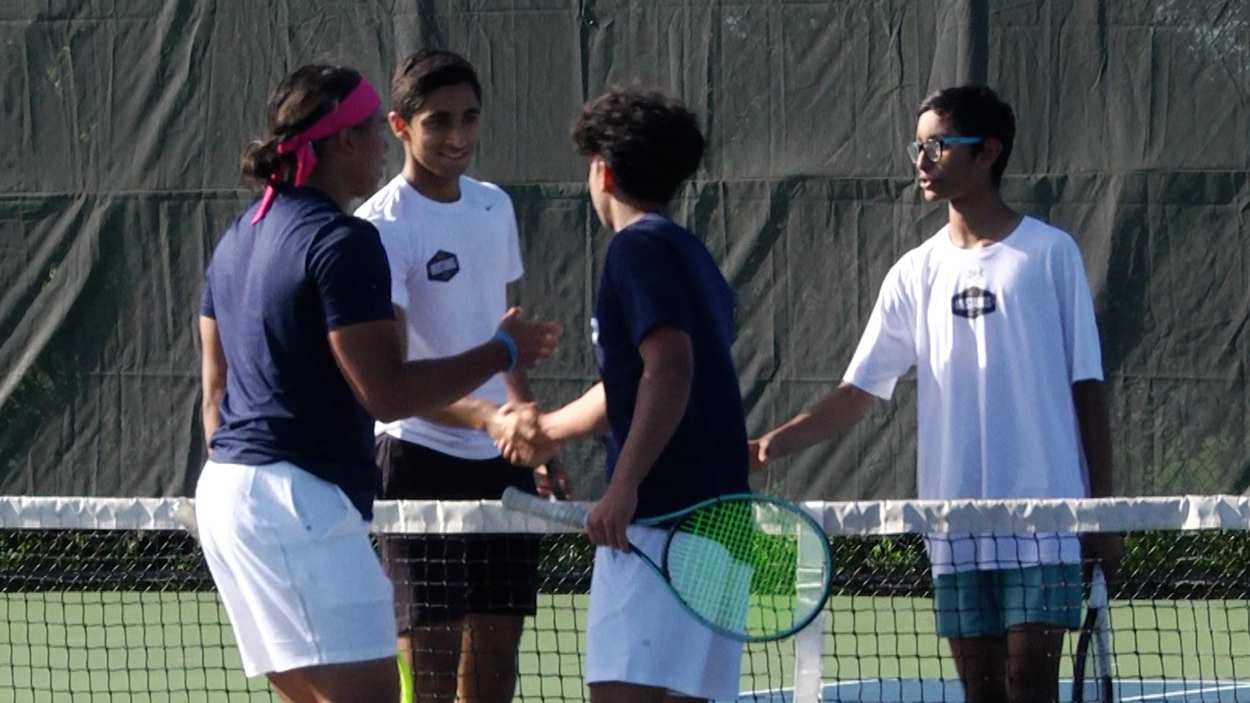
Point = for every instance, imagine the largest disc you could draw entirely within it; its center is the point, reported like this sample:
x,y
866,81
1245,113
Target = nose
x,y
919,159
922,162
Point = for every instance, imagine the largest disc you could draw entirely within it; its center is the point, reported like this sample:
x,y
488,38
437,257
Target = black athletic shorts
x,y
443,578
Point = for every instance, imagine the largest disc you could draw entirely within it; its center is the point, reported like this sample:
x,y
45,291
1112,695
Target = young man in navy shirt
x,y
300,352
668,401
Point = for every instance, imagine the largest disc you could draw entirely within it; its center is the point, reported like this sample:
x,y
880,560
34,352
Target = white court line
x,y
1205,688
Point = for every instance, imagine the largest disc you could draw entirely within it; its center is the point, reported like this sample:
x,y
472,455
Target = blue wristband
x,y
510,344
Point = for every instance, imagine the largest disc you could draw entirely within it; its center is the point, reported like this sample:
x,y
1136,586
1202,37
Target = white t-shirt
x,y
450,266
998,335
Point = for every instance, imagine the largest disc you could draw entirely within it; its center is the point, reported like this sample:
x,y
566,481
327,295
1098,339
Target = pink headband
x,y
351,111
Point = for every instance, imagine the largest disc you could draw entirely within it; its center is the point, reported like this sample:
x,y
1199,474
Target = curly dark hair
x,y
976,111
426,71
650,141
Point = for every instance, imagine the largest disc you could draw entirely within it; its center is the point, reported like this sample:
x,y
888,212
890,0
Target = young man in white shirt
x,y
994,312
452,246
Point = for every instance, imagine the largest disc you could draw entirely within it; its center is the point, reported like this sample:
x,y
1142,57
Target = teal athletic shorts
x,y
987,603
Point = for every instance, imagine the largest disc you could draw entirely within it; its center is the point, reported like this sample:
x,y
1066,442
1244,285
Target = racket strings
x,y
737,564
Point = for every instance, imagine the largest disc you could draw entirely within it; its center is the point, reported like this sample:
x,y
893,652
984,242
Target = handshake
x,y
517,430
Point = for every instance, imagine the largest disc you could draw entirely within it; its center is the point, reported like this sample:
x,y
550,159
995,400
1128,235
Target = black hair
x,y
976,111
302,98
650,141
423,73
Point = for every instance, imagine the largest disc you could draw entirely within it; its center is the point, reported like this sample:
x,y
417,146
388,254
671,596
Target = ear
x,y
399,126
609,179
332,146
990,151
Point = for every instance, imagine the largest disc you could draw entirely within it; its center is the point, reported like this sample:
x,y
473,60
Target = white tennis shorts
x,y
638,632
291,558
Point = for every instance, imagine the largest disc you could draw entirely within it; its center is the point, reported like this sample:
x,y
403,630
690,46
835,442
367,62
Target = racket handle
x,y
1097,588
569,514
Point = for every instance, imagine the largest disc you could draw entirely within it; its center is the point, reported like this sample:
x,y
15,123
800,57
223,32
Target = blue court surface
x,y
920,690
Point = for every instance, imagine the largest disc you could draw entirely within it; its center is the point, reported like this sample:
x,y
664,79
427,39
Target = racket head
x,y
750,567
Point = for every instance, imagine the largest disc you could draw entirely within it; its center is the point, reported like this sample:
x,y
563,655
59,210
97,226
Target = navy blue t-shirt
x,y
657,274
275,289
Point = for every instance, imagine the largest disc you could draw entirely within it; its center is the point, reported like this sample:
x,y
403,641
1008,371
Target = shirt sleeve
x,y
1076,309
887,348
648,280
515,267
206,299
398,251
350,269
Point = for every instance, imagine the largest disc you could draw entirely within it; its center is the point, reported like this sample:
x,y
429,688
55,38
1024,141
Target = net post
x,y
809,643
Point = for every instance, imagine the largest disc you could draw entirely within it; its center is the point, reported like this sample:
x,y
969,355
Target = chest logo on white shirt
x,y
973,302
443,266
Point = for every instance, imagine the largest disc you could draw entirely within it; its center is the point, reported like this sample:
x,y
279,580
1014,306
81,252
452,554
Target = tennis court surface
x,y
921,690
109,600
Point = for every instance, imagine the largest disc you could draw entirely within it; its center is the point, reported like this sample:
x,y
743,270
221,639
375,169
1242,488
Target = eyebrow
x,y
449,113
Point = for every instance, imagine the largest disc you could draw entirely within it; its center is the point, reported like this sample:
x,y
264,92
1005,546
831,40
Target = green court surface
x,y
893,638
132,646
119,646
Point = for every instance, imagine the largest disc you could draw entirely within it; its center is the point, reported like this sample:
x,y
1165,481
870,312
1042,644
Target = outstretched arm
x,y
837,412
585,417
369,355
470,413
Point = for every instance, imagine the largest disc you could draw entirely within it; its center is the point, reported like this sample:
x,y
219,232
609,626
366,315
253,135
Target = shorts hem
x,y
320,658
443,618
1061,623
629,679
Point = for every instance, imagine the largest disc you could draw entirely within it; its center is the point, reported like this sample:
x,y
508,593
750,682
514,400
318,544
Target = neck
x,y
336,189
980,219
430,184
626,211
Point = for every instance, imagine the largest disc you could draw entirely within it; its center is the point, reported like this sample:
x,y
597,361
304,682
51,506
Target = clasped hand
x,y
518,435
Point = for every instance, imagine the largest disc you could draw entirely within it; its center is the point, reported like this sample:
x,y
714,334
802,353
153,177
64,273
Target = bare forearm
x,y
661,403
470,413
518,387
1095,428
834,414
391,389
213,373
428,385
211,413
585,417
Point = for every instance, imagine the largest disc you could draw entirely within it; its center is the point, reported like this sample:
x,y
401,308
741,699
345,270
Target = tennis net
x,y
110,600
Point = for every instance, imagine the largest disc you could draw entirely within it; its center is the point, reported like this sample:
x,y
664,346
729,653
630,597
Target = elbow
x,y
676,378
380,401
384,408
386,415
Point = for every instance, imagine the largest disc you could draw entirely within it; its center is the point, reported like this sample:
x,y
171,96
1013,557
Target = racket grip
x,y
1097,588
569,514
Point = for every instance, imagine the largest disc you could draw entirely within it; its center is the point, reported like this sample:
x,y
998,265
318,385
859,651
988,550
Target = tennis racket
x,y
749,567
1092,662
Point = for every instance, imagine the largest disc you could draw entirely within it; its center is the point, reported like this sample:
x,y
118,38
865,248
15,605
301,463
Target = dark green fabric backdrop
x,y
123,122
